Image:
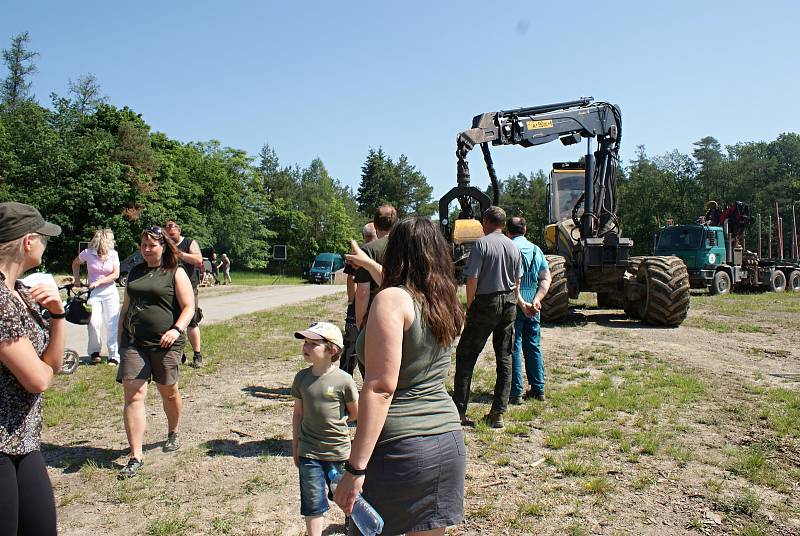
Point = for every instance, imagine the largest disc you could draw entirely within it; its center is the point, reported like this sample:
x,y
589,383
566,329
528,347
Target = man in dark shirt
x,y
191,259
367,286
348,360
493,273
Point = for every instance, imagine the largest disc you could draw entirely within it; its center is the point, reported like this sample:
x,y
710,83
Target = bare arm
x,y
185,295
544,285
362,303
193,257
351,288
392,313
297,419
352,410
359,259
19,356
472,286
123,311
76,271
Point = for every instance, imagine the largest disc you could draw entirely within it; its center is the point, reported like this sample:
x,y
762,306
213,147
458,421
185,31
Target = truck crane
x,y
587,251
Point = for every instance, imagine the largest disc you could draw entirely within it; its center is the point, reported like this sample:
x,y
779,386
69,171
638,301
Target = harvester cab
x,y
589,253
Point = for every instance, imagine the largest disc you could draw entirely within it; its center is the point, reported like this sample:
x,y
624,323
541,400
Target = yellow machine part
x,y
550,236
466,230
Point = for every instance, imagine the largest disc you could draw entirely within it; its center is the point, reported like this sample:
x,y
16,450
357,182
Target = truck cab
x,y
700,247
324,267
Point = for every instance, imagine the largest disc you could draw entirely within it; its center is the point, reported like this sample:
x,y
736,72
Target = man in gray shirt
x,y
493,271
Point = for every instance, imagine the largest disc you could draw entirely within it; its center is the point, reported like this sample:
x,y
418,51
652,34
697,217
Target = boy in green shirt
x,y
326,397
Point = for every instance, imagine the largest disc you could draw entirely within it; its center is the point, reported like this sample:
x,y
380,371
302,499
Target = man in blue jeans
x,y
534,285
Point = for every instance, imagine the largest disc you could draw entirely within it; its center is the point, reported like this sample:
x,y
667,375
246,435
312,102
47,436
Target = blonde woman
x,y
31,349
102,264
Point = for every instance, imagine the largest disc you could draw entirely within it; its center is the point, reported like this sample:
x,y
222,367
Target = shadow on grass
x,y
71,458
269,393
334,529
248,449
611,318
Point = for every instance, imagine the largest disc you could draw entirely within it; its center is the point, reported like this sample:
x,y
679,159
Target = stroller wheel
x,y
70,362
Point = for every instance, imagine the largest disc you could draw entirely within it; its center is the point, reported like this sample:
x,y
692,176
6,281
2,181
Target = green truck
x,y
715,261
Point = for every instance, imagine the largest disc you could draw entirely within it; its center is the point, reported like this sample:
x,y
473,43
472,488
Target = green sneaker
x,y
131,469
173,442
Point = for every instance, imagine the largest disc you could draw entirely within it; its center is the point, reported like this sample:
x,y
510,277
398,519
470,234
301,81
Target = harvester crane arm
x,y
568,121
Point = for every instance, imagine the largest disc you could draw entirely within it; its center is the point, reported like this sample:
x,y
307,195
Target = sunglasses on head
x,y
155,231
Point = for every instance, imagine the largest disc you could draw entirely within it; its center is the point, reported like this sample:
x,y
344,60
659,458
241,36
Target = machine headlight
x,y
712,258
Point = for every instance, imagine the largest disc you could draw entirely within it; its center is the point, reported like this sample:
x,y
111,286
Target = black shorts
x,y
417,483
198,313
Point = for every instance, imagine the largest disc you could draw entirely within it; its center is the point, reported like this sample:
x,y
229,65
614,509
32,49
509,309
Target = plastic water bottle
x,y
368,521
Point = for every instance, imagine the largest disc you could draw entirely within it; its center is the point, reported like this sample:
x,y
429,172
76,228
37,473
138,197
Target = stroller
x,y
78,312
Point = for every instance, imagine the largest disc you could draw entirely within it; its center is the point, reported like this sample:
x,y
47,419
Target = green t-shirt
x,y
324,434
376,251
421,405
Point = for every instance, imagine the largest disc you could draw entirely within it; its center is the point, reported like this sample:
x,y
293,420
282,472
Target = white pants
x,y
105,312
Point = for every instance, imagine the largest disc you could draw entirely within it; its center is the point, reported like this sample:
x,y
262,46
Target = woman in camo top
x,y
31,351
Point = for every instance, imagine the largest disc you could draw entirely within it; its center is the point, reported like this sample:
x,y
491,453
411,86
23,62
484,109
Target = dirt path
x,y
224,302
234,473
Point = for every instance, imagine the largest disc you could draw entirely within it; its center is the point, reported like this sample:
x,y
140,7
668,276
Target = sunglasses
x,y
155,232
170,225
44,238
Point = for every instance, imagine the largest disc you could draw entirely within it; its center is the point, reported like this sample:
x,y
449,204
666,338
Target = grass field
x,y
644,431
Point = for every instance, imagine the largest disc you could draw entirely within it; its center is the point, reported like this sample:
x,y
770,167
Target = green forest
x,y
86,163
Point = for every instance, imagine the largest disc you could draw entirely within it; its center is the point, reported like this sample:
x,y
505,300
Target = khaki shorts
x,y
159,365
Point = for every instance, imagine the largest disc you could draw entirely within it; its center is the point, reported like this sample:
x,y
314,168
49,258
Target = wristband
x,y
177,328
353,471
58,315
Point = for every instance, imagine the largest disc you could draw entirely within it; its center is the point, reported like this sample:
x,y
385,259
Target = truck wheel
x,y
664,291
631,308
777,281
555,304
793,283
721,283
70,361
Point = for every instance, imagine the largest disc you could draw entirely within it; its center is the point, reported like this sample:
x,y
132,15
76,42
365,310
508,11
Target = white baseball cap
x,y
322,331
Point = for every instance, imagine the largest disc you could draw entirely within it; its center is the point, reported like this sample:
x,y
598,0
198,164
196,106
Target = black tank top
x,y
152,307
190,269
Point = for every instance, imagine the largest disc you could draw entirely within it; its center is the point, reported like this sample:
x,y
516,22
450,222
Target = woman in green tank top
x,y
408,457
158,306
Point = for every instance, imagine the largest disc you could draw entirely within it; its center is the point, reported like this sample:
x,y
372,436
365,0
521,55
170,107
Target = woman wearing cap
x,y
102,265
408,456
31,351
158,306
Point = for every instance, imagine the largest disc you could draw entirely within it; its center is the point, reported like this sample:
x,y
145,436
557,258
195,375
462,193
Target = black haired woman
x,y
408,457
158,306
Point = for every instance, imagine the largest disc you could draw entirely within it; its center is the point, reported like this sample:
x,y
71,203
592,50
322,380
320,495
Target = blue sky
x,y
332,79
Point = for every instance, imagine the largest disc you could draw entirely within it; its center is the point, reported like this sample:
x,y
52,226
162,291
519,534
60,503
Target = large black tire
x,y
664,291
793,282
721,283
555,305
631,308
70,362
777,281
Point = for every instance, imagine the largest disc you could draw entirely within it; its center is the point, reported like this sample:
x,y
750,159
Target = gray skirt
x,y
417,483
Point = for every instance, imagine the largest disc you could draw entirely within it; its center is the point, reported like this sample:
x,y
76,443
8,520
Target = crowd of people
x,y
407,457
